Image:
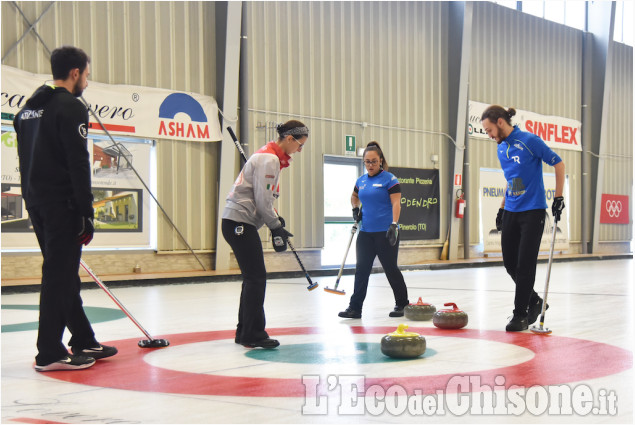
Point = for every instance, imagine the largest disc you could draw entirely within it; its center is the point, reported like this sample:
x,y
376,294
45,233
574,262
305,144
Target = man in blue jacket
x,y
521,217
56,187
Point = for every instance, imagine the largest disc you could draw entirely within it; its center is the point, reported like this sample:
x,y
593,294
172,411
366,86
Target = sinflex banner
x,y
557,132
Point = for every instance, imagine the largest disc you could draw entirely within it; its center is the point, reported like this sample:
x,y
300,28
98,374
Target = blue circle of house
x,y
317,353
94,314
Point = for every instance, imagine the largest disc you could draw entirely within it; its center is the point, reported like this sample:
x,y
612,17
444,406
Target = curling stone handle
x,y
451,304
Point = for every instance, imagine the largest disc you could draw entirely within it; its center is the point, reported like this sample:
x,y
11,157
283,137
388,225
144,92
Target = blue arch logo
x,y
182,103
169,126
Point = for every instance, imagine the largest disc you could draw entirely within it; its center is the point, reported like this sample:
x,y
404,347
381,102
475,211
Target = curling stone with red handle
x,y
419,311
403,345
450,318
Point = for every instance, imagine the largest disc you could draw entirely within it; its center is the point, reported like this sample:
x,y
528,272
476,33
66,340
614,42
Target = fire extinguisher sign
x,y
458,180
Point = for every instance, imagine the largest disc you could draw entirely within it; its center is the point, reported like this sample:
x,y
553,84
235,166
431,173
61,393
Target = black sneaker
x,y
99,352
534,311
517,324
349,313
263,343
397,312
67,363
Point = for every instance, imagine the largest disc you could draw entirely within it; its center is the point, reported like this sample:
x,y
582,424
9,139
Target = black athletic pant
x,y
370,245
247,247
520,242
56,227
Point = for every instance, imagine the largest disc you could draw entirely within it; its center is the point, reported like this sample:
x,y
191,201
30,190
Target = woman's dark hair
x,y
374,147
65,58
292,128
494,112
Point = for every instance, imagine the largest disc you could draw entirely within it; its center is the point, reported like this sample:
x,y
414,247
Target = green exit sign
x,y
350,145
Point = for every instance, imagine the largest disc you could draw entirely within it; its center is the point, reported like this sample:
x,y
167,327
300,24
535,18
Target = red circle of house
x,y
557,360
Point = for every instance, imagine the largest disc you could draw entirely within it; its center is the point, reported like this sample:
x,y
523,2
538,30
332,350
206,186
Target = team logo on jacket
x,y
82,130
28,114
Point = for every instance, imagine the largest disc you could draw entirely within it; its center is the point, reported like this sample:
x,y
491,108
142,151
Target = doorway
x,y
340,175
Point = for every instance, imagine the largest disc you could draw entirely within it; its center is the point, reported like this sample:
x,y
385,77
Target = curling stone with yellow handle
x,y
450,318
419,311
403,345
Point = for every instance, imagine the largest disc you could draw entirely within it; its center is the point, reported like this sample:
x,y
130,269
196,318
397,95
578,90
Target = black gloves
x,y
279,237
393,234
86,231
499,219
557,207
357,214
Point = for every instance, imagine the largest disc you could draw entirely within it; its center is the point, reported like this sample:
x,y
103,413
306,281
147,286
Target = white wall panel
x,y
618,169
334,65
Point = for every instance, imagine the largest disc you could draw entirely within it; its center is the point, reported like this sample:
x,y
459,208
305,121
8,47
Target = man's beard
x,y
77,90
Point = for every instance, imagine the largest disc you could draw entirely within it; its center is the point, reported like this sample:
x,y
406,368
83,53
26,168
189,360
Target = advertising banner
x,y
420,207
614,209
122,206
136,111
492,191
557,132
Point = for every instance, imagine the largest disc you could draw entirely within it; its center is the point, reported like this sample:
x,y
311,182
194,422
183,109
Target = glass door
x,y
340,175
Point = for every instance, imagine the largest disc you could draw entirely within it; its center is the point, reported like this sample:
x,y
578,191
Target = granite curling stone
x,y
450,318
419,311
403,345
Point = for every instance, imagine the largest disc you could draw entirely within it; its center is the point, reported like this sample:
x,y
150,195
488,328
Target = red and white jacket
x,y
255,189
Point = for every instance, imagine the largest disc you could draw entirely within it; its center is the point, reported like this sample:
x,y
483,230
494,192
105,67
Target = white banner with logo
x,y
145,112
557,132
492,190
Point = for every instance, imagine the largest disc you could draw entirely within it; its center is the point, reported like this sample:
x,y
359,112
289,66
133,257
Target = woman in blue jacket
x,y
378,194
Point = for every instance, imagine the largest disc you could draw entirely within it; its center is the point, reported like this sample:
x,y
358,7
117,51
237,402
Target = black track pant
x,y
520,241
370,245
247,247
56,227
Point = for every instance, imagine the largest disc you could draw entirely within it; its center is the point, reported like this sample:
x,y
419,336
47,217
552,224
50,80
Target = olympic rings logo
x,y
614,208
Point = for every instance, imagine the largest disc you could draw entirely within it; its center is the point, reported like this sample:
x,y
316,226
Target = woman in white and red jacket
x,y
249,206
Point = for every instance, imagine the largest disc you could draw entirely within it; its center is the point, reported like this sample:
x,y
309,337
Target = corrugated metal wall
x,y
618,168
528,63
332,65
170,45
376,62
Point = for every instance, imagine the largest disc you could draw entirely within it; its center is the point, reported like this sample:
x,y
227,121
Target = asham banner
x,y
557,132
136,111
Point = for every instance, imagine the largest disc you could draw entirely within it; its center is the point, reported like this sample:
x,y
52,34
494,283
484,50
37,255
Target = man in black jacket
x,y
55,177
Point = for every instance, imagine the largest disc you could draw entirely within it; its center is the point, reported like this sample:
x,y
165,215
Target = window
x,y
340,175
568,12
536,8
512,4
623,24
554,11
575,14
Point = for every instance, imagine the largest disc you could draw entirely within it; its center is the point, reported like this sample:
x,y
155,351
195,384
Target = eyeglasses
x,y
301,144
373,162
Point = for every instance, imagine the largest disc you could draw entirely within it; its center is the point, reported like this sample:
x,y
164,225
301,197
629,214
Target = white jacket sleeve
x,y
265,185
